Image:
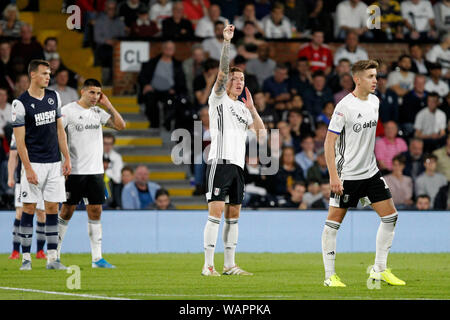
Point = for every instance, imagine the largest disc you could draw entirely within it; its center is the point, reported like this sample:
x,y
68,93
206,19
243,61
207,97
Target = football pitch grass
x,y
177,276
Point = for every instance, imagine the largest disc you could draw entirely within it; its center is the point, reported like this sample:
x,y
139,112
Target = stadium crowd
x,y
413,140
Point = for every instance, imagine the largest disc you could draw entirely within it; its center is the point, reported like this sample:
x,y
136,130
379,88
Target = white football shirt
x,y
228,124
355,121
85,137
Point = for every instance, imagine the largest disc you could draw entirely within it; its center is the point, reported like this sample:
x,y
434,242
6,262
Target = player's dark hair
x,y
235,69
161,192
364,65
127,168
92,83
34,65
109,135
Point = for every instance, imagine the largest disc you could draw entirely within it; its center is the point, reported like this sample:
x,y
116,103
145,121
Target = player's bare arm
x,y
224,67
330,157
62,142
115,121
19,133
258,124
12,165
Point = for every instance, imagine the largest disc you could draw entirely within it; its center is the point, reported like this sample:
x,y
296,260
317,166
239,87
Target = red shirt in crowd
x,y
319,59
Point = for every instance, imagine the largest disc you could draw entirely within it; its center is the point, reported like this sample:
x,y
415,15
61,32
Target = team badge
x,y
79,127
32,105
51,101
24,194
357,127
216,191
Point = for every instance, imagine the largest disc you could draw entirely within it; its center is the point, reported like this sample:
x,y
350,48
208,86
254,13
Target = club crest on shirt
x,y
79,127
24,194
357,127
51,101
216,191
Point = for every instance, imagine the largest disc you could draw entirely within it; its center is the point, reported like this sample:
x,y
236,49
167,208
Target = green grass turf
x,y
276,276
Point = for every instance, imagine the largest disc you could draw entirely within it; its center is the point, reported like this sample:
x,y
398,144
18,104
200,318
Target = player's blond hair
x,y
364,65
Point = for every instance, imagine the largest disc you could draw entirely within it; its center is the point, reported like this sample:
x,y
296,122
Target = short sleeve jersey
x,y
39,116
228,122
85,137
355,121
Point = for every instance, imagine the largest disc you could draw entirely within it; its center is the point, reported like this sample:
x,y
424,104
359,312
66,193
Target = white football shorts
x,y
18,199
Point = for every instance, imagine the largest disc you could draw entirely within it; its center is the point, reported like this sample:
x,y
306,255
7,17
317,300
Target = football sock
x,y
40,236
16,237
210,238
26,234
62,228
329,246
385,235
230,238
95,235
51,234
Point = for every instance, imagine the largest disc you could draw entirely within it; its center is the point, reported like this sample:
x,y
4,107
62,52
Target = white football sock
x,y
385,235
62,228
95,235
210,238
230,238
51,255
329,246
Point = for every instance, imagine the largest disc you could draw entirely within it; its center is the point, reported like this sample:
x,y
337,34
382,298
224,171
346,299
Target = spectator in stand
x,y
347,87
423,202
391,21
307,123
161,78
193,67
305,159
318,54
177,27
388,110
414,101
10,24
286,139
387,147
7,74
50,47
320,15
301,78
27,47
248,14
199,159
127,177
316,96
312,194
324,201
161,10
206,27
418,17
213,46
327,112
230,9
256,184
247,45
128,11
204,83
21,85
443,155
296,12
265,111
440,53
350,50
115,159
402,80
5,111
334,78
262,8
55,65
295,120
419,65
319,136
430,124
414,159
442,16
319,170
276,25
194,10
288,173
143,27
351,15
66,93
251,82
276,87
296,195
140,193
401,186
430,182
162,201
107,28
445,106
90,10
435,82
263,67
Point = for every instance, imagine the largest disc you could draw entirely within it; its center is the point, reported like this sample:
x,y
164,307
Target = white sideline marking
x,y
198,295
65,293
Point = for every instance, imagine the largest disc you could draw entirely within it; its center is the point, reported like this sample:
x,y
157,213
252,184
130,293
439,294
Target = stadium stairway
x,y
51,22
152,147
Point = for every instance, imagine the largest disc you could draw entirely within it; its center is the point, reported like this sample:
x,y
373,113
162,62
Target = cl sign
x,y
133,54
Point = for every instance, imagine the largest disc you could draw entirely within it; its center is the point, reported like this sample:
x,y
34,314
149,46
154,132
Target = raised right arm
x,y
224,66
